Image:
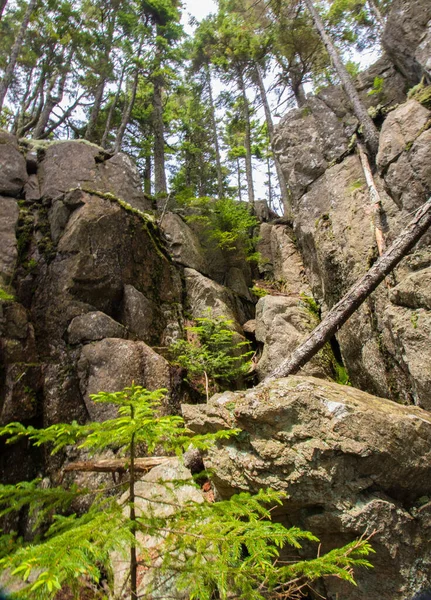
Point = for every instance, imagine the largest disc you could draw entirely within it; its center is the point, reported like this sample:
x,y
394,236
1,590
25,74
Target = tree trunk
x,y
95,110
339,313
375,11
376,204
220,187
63,118
160,185
285,197
117,465
370,130
16,48
112,109
270,195
147,176
238,170
129,107
51,100
248,162
2,7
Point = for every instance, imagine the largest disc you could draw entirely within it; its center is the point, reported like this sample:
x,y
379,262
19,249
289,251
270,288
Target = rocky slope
x,y
101,291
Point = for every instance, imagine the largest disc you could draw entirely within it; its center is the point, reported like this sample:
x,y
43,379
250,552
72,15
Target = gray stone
x,y
206,297
400,130
78,164
94,326
407,335
393,87
236,282
349,463
13,171
163,490
183,243
414,291
113,364
9,213
141,316
405,32
58,217
120,176
282,323
67,165
32,189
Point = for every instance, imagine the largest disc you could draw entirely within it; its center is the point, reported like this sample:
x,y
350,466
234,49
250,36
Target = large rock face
x,y
350,463
407,38
384,345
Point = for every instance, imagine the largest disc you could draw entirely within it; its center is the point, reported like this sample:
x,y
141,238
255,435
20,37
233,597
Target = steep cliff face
x,y
98,298
385,345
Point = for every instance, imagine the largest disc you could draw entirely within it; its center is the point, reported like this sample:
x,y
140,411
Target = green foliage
x,y
5,296
311,305
259,291
227,222
213,352
377,86
223,548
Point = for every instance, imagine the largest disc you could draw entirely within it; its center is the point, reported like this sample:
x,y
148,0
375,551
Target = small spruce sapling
x,y
222,549
213,352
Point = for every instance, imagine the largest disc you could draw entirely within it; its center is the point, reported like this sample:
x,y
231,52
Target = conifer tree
x,y
224,548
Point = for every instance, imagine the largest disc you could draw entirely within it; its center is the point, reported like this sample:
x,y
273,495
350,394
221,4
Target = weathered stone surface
x,y
414,291
282,323
94,326
300,149
349,462
113,364
119,176
400,130
156,495
103,248
392,90
183,243
67,165
32,188
407,335
287,262
405,32
236,282
205,297
78,164
9,212
141,316
13,172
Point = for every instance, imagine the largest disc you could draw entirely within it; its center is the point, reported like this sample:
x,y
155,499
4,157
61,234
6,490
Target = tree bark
x,y
117,465
375,202
220,187
127,112
375,11
247,144
2,7
285,197
339,313
112,109
51,99
370,130
16,48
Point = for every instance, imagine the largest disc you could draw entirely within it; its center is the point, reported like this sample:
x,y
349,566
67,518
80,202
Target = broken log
x,y
339,313
120,465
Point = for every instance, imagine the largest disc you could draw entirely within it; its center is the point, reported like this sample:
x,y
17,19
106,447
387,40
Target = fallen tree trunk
x,y
339,313
142,465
